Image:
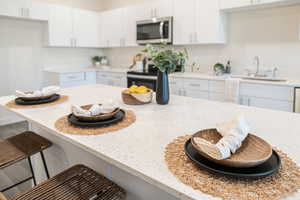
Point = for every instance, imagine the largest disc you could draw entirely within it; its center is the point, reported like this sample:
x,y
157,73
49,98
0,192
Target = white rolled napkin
x,y
96,109
234,133
47,91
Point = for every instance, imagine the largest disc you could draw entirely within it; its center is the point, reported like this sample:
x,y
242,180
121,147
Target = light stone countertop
x,y
191,75
139,149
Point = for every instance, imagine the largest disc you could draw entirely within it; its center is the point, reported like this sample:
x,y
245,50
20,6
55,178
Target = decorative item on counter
x,y
97,60
139,63
228,67
230,145
219,69
46,95
97,115
166,60
96,112
184,161
136,95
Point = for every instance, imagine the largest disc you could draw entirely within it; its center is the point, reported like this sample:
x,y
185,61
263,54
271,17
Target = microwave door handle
x,y
161,29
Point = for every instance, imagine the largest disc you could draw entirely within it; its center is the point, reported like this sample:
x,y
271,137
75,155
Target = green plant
x,y
166,60
96,59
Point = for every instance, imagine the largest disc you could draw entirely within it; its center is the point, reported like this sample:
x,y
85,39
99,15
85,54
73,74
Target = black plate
x,y
267,168
20,101
117,118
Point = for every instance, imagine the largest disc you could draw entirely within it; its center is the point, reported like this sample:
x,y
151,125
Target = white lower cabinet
x,y
116,79
71,79
197,88
267,96
267,103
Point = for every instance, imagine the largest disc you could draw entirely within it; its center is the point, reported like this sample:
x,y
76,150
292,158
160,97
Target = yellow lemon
x,y
133,89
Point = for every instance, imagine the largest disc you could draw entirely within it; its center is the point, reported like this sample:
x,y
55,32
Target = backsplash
x,y
271,34
23,55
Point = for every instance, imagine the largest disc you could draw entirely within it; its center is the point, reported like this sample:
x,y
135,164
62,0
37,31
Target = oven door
x,y
148,81
155,31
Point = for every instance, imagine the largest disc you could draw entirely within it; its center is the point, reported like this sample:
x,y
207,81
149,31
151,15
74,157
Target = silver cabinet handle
x,y
196,37
191,38
194,85
249,102
21,12
28,12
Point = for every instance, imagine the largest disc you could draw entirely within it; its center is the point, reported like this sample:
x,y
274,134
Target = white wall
x,y
272,34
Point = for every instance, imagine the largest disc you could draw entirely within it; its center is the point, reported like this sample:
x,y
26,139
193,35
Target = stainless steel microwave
x,y
155,31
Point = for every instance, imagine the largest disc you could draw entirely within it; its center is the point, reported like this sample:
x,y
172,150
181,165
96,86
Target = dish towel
x,y
232,90
96,109
47,91
234,133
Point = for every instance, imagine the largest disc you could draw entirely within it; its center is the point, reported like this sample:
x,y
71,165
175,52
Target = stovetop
x,y
142,73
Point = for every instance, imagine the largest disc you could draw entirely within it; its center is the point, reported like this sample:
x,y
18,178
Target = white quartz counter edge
x,y
100,155
147,160
289,83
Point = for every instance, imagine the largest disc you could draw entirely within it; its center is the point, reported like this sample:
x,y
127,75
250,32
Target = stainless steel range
x,y
142,78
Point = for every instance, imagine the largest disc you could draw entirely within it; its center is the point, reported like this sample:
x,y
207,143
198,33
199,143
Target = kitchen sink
x,y
261,78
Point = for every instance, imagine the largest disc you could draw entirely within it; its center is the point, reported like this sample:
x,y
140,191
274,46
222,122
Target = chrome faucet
x,y
257,61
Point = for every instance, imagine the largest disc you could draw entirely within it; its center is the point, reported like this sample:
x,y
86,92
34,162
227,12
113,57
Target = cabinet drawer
x,y
196,84
217,86
197,94
69,77
267,91
215,96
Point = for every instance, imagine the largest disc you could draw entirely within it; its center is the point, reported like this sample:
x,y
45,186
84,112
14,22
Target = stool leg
x,y
32,172
45,164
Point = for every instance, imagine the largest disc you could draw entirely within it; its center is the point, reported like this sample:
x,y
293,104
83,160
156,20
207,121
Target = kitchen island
x,y
134,157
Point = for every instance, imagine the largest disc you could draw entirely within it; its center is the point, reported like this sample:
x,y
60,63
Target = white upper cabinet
x,y
155,9
86,30
129,26
111,28
118,27
235,4
198,22
11,8
184,22
36,10
60,26
24,9
70,27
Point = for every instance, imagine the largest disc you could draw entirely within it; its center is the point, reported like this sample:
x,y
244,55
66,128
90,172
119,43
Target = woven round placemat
x,y
62,99
279,185
63,125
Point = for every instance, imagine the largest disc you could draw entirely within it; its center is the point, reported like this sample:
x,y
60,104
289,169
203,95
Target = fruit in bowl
x,y
137,95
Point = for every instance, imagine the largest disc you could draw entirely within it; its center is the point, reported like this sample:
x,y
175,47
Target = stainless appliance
x,y
154,31
142,78
297,100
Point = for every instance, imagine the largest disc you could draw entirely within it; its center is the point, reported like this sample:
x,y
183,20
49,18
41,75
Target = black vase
x,y
162,88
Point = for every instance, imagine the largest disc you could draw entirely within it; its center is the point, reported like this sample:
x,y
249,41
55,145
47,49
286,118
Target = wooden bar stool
x,y
76,183
21,147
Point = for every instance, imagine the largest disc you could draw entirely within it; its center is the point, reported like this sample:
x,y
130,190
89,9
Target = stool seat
x,y
76,183
20,147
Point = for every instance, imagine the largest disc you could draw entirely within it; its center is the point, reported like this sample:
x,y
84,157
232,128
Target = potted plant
x,y
96,60
166,60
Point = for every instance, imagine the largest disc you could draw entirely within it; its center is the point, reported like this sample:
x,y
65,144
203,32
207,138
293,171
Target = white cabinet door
x,y
212,30
60,26
227,4
111,28
129,26
162,8
85,28
12,8
184,21
196,94
267,103
37,11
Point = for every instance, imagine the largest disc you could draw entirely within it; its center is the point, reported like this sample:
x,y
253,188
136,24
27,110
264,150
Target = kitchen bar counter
x,y
139,149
